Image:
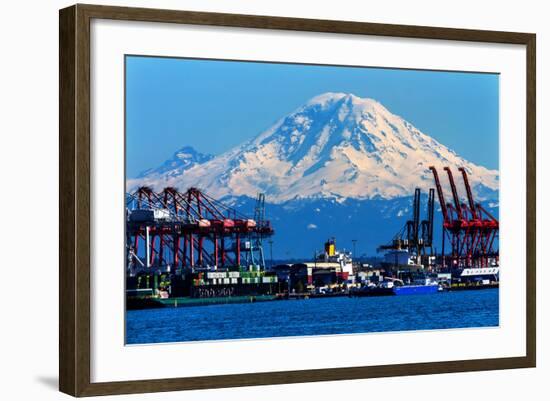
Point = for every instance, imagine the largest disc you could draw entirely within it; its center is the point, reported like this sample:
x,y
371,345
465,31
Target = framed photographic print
x,y
250,200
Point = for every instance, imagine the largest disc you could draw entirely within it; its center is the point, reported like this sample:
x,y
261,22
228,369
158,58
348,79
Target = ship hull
x,y
415,289
374,292
397,290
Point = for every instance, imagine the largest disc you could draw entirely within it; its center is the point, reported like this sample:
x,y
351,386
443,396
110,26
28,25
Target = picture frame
x,y
75,204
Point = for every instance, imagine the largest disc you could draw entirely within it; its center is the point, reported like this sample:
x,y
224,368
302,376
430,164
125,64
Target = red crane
x,y
470,228
440,195
484,229
192,228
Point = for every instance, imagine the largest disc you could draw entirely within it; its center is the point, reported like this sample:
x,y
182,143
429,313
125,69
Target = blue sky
x,y
215,105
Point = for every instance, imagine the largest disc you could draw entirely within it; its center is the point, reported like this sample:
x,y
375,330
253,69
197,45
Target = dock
x,y
137,303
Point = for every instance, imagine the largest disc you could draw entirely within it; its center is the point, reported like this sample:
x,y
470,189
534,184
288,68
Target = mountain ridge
x,y
336,145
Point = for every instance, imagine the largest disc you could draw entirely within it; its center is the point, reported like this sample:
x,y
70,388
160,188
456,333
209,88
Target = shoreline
x,y
135,303
185,302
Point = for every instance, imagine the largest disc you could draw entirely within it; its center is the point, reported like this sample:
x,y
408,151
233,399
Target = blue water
x,y
314,316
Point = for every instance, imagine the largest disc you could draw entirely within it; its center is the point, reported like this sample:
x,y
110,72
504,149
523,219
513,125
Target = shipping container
x,y
213,275
144,215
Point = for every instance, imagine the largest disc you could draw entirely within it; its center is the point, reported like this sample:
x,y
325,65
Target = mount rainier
x,y
338,158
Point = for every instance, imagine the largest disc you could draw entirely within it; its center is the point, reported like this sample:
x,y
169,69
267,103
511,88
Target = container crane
x,y
188,229
416,236
471,229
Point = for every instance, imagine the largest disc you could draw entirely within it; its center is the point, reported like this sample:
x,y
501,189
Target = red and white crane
x,y
470,228
189,229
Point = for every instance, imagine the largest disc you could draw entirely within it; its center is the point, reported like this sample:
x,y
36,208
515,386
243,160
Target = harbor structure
x,y
175,230
473,261
190,244
413,244
329,268
471,230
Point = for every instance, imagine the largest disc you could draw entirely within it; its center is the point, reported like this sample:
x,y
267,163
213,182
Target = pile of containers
x,y
233,277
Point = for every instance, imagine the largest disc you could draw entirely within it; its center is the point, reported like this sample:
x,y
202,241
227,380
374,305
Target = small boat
x,y
392,286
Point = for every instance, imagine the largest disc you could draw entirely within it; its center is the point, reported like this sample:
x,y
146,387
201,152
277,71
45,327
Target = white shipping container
x,y
226,281
234,280
161,214
234,274
144,215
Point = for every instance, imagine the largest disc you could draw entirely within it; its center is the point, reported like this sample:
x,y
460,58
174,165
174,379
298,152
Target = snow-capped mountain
x,y
336,146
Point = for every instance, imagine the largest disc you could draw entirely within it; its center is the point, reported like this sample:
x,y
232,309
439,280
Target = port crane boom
x,y
440,195
471,202
428,225
456,200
